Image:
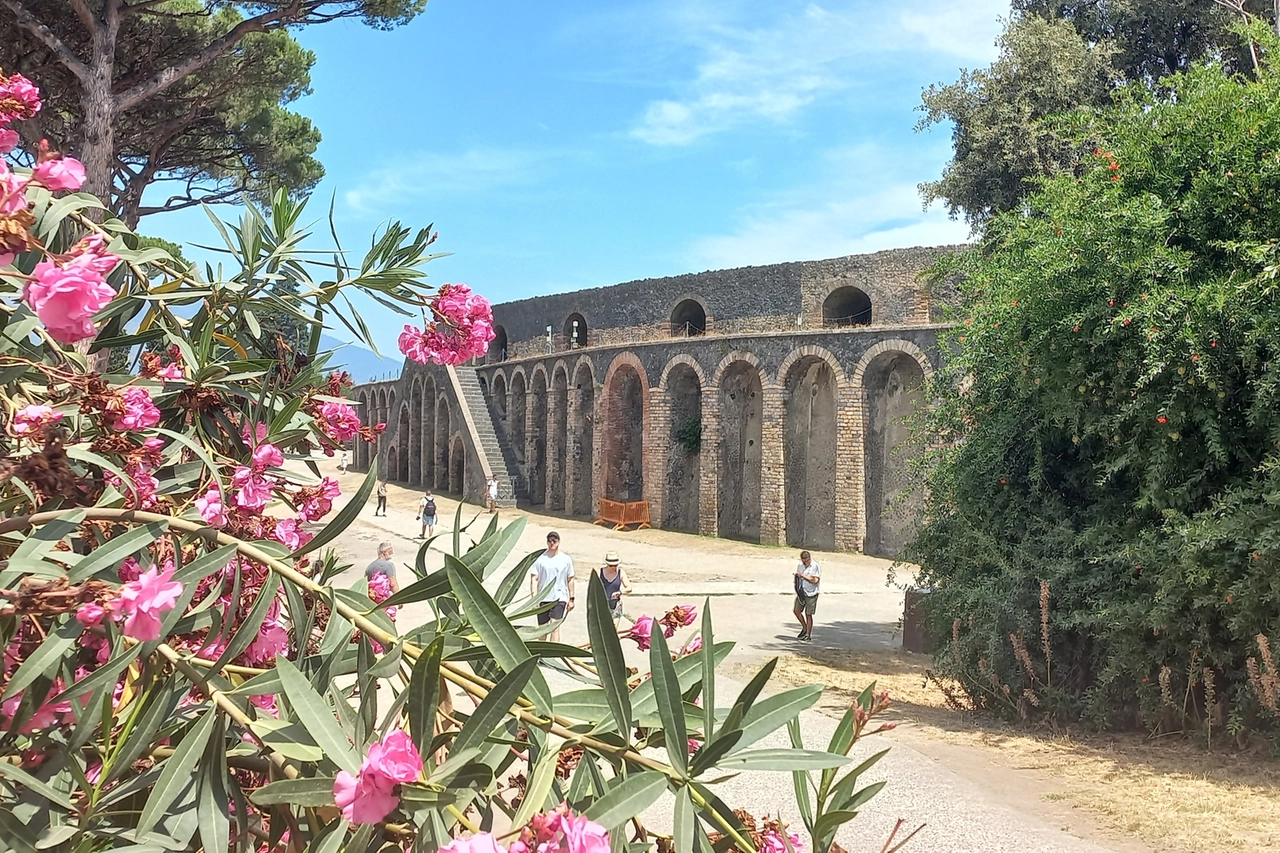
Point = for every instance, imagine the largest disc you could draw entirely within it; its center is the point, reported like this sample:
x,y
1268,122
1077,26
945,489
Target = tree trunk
x,y
98,102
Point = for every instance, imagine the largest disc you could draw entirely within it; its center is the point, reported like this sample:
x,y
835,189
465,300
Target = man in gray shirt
x,y
383,566
808,575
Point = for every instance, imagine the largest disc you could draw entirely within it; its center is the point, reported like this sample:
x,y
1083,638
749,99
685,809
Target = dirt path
x,y
1119,794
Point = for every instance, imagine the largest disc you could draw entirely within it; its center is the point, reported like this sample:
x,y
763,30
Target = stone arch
x,y
682,383
717,375
846,306
576,333
558,437
689,317
891,375
626,403
537,438
414,471
739,385
441,443
403,432
811,380
498,395
580,465
517,416
498,346
457,465
687,360
427,413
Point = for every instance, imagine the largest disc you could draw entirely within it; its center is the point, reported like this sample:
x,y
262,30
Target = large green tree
x,y
1103,522
191,92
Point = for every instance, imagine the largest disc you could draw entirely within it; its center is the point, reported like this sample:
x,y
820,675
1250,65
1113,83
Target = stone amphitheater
x,y
764,403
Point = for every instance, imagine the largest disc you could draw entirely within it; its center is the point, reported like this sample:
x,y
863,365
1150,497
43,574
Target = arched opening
x,y
498,399
741,423
484,386
537,427
575,331
402,444
393,464
428,415
559,439
809,451
624,436
582,440
516,417
457,465
442,444
846,306
361,455
688,319
684,456
497,346
892,384
415,433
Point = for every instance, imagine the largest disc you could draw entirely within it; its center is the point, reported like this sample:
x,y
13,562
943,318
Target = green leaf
x,y
213,808
457,531
346,515
201,567
289,739
539,786
116,550
627,798
249,628
16,775
782,759
495,707
715,749
176,774
842,796
749,694
800,778
666,689
315,714
40,542
612,667
309,793
688,669
424,695
514,580
773,712
682,827
45,658
108,673
432,586
708,673
485,558
492,626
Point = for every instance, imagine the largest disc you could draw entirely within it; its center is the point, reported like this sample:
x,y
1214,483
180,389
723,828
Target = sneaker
x,y
808,638
801,636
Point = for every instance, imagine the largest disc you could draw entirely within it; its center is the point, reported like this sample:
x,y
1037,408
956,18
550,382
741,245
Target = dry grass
x,y
1167,792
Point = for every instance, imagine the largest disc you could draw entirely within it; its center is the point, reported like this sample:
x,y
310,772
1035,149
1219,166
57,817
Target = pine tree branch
x,y
33,25
86,17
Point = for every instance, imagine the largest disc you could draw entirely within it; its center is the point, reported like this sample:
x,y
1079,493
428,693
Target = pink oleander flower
x,y
265,702
317,506
365,797
379,587
682,615
254,489
9,140
289,533
171,372
773,842
272,640
130,569
339,421
267,456
19,99
60,173
255,434
47,715
139,411
211,508
583,835
90,615
396,757
65,295
33,419
641,632
93,772
481,842
461,331
144,484
694,645
144,600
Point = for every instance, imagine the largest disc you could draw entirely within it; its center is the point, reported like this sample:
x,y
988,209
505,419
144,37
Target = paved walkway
x,y
749,589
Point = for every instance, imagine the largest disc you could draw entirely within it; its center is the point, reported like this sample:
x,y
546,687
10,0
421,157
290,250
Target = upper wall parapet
x,y
882,288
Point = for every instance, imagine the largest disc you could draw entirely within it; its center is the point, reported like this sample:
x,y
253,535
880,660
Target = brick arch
x,y
493,377
413,470
578,365
536,433
739,445
557,434
403,429
692,297
810,351
623,440
518,370
891,345
540,367
728,361
682,359
560,364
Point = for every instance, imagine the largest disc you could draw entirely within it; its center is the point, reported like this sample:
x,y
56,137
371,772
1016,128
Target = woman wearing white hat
x,y
616,583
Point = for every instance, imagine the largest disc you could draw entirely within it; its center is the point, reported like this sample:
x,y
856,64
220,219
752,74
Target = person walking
x,y
553,572
383,566
343,461
381,508
427,513
616,583
808,575
492,492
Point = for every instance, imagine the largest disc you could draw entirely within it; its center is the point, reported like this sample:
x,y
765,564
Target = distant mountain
x,y
361,363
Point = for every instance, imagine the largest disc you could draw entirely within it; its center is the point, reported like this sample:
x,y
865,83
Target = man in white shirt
x,y
492,492
808,575
554,572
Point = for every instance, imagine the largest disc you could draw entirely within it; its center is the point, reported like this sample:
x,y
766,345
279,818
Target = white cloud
x,y
771,70
435,176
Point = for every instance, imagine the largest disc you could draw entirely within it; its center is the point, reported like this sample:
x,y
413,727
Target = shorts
x,y
428,521
807,605
557,612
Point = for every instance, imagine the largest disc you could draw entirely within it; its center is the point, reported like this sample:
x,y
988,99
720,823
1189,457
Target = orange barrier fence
x,y
623,515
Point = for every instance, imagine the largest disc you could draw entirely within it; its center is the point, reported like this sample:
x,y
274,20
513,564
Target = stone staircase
x,y
492,444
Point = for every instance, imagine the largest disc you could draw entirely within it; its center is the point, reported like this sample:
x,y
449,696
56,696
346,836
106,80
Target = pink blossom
x,y
66,295
47,715
379,587
9,140
33,419
60,173
692,646
254,489
583,835
144,484
395,757
289,533
641,632
93,772
265,702
773,842
682,615
13,191
365,797
130,569
142,601
211,508
258,433
90,615
339,421
462,330
267,456
139,411
272,640
481,842
171,372
19,99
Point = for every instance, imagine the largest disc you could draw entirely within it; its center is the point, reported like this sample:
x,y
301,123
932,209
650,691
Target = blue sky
x,y
573,144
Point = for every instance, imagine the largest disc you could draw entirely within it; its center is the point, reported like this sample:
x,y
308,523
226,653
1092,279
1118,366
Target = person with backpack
x,y
808,575
427,512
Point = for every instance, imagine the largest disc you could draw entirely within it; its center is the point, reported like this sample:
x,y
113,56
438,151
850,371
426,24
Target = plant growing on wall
x,y
689,436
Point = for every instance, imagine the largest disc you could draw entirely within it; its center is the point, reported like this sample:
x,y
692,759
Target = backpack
x,y
800,593
429,508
